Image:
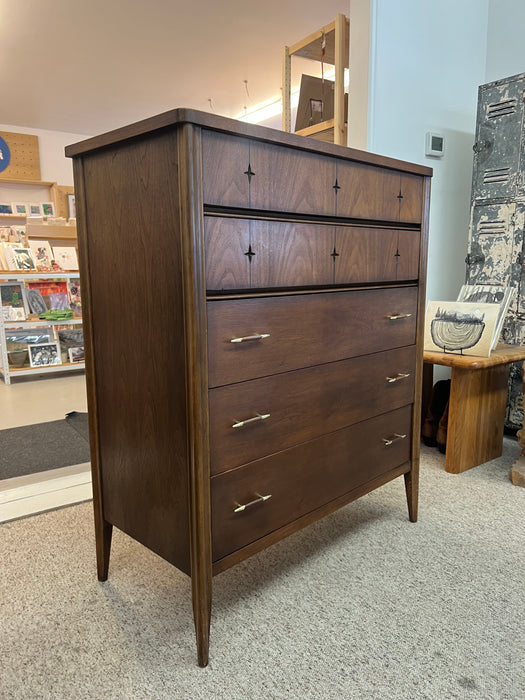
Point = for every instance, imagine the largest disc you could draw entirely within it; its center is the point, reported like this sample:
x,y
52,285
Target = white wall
x,y
427,58
54,166
505,40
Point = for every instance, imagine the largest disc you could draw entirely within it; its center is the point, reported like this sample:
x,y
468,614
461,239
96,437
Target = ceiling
x,y
88,66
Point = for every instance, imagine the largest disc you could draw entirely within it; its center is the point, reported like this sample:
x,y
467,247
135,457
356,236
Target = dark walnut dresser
x,y
253,305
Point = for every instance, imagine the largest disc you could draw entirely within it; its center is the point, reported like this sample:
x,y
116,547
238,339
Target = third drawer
x,y
257,337
259,417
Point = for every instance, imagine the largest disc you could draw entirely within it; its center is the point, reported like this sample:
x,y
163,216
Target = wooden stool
x,y
478,400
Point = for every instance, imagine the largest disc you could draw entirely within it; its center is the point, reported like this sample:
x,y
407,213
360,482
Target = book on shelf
x,y
472,324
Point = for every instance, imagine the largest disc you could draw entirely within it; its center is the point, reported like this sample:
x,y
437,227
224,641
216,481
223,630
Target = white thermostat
x,y
434,144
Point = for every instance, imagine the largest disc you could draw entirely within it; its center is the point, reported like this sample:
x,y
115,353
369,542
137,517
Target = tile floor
x,y
37,400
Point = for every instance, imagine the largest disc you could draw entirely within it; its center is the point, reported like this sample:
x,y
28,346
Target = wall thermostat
x,y
434,144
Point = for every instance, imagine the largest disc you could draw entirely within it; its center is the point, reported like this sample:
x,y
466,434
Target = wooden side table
x,y
478,399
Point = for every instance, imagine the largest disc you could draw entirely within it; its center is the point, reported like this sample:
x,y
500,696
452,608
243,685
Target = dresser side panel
x,y
134,248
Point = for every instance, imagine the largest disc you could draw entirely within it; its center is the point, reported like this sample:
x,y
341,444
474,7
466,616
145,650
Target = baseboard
x,y
36,493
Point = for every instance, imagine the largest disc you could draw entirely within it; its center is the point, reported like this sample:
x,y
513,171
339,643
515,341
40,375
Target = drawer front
x,y
240,172
376,255
244,254
253,419
370,192
287,179
304,478
304,330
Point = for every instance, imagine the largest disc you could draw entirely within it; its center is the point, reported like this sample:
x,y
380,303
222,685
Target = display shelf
x,y
64,367
39,323
336,53
8,371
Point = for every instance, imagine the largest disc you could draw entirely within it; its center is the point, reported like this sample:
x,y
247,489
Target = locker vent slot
x,y
502,109
496,175
495,227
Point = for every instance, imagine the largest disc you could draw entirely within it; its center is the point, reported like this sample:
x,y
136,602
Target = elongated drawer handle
x,y
395,317
255,419
259,499
257,336
399,375
395,437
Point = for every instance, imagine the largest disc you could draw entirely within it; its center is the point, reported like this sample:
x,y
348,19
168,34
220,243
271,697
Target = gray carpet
x,y
36,448
363,604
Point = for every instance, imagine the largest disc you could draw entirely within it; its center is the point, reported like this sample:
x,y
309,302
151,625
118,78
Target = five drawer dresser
x,y
253,305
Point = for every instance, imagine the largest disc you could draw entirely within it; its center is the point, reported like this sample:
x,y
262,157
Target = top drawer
x,y
243,173
277,334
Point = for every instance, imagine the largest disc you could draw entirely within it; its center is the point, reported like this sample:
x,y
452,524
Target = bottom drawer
x,y
303,478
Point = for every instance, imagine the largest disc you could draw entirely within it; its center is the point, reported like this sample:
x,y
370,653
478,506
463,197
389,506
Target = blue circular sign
x,y
5,155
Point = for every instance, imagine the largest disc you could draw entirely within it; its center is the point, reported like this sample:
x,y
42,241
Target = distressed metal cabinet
x,y
254,334
495,254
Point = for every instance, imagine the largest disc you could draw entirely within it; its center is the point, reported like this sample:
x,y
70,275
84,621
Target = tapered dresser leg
x,y
103,533
412,492
201,591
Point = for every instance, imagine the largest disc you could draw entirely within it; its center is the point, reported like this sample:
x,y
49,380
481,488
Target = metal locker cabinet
x,y
495,249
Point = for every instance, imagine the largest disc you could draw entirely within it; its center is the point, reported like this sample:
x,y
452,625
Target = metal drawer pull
x,y
394,438
394,317
257,336
259,499
399,375
258,417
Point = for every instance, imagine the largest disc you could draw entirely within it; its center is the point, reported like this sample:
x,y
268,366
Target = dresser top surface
x,y
178,117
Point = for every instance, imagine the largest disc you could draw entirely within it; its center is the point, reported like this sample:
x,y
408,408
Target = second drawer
x,y
259,417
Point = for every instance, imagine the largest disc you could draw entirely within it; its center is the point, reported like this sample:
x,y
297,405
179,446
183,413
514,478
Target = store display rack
x,y
9,371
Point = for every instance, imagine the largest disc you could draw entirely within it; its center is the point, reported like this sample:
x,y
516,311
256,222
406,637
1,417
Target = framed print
x,y
12,297
44,354
42,254
6,208
35,210
23,259
71,207
48,209
76,354
20,208
66,257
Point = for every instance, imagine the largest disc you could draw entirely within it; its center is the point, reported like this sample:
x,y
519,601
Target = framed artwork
x,y
66,257
19,339
44,354
76,354
23,259
6,208
71,207
19,208
48,209
42,254
12,297
35,210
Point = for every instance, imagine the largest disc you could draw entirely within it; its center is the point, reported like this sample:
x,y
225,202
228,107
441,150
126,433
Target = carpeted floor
x,y
36,448
362,605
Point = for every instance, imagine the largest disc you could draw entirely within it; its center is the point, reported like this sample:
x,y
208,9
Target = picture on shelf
x,y
66,257
48,287
73,288
76,354
44,355
69,337
11,294
42,253
48,209
24,259
6,209
35,210
19,339
35,301
20,208
71,207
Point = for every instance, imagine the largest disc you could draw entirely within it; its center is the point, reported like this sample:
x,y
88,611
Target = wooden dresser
x,y
253,305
